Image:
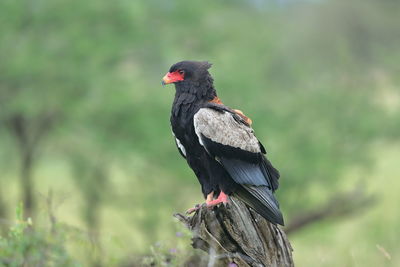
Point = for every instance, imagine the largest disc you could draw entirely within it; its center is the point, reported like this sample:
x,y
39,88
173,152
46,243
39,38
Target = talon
x,y
191,210
210,202
222,198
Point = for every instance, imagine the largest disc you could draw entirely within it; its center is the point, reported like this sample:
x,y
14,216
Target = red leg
x,y
222,198
210,197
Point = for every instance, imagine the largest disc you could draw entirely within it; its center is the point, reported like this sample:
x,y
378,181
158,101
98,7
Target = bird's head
x,y
188,72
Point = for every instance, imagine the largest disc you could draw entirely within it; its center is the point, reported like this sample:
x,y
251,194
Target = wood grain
x,y
234,233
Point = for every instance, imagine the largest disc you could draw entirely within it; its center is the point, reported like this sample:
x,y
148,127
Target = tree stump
x,y
234,233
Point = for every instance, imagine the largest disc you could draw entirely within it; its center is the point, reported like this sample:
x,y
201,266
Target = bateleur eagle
x,y
219,144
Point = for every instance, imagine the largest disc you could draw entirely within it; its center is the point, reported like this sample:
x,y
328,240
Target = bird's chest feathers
x,y
183,110
183,129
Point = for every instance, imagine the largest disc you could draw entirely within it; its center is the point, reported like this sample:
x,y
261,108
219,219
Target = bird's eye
x,y
181,72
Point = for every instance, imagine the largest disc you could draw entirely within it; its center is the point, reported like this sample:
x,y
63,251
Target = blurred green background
x,y
86,143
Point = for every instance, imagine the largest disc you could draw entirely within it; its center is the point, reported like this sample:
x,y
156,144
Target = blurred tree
x,y
80,80
41,84
27,135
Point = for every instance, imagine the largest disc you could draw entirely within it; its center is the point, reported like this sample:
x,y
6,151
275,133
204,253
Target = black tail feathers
x,y
261,199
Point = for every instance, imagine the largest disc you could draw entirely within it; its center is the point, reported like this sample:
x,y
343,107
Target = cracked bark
x,y
235,233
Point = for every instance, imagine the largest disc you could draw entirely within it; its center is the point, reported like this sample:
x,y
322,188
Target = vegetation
x,y
83,115
27,247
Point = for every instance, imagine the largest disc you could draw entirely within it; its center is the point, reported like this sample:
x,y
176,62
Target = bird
x,y
219,143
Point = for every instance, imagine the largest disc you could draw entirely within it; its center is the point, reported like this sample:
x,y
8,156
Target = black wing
x,y
233,144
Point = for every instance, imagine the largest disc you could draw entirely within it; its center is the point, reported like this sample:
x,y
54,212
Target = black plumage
x,y
218,142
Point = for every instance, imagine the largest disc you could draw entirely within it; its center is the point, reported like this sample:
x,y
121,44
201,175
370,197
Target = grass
x,y
367,238
138,222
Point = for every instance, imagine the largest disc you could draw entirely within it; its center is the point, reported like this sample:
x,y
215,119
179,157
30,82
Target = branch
x,y
29,132
235,233
340,205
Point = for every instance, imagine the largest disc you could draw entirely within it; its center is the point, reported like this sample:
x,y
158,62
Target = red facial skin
x,y
172,77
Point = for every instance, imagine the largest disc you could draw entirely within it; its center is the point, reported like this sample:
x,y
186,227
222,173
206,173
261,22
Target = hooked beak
x,y
166,79
172,77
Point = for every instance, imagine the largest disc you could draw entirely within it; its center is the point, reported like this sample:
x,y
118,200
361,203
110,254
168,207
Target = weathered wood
x,y
236,234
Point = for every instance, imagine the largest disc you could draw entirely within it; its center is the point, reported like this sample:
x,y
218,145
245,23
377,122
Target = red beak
x,y
172,77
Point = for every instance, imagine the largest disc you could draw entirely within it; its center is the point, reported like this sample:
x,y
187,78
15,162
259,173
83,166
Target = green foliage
x,y
318,78
26,245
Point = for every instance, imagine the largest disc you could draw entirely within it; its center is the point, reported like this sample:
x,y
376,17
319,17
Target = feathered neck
x,y
202,89
190,94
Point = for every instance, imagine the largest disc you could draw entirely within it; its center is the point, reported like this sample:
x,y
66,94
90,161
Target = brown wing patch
x,y
246,119
216,100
